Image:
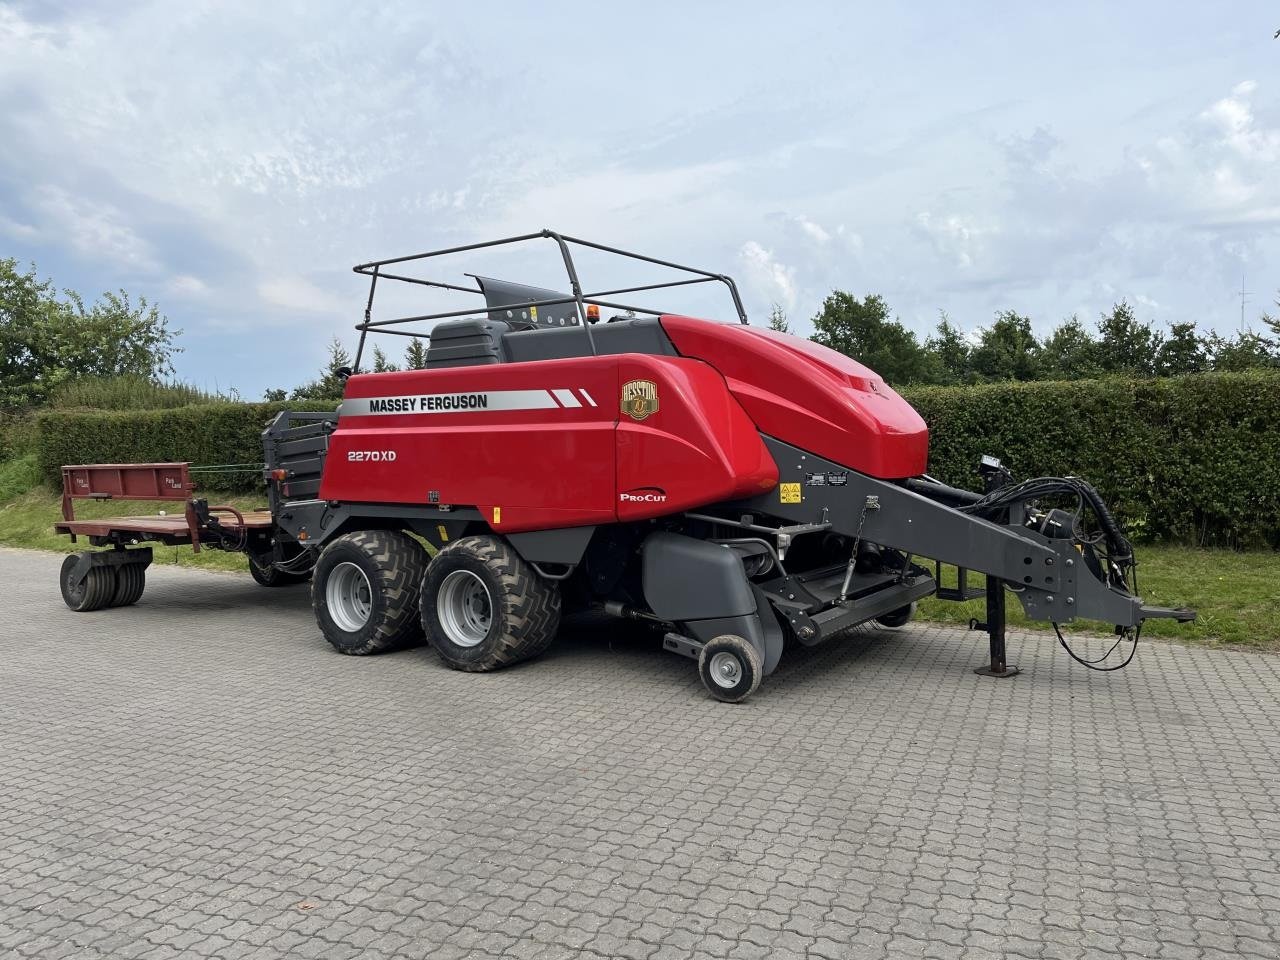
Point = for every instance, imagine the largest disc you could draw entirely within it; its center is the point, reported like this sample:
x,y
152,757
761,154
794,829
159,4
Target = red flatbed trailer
x,y
117,577
148,481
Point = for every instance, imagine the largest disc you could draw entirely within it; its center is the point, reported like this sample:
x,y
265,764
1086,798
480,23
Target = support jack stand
x,y
994,626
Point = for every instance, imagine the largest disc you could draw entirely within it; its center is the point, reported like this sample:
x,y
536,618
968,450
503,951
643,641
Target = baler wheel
x,y
131,580
365,591
730,668
92,593
897,618
484,608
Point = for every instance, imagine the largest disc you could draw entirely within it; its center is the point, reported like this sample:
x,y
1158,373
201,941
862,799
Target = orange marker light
x,y
593,313
279,474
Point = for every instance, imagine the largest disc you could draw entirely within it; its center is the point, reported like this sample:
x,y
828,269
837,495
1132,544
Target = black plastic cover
x,y
688,579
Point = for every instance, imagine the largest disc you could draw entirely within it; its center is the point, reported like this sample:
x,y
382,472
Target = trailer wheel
x,y
265,573
897,618
92,593
365,591
131,580
483,607
730,668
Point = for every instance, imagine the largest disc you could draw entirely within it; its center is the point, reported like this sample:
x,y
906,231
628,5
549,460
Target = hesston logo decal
x,y
639,399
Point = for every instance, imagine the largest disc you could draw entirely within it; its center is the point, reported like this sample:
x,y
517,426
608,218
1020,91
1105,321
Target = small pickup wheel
x,y
131,580
265,573
93,593
365,591
897,618
730,668
483,607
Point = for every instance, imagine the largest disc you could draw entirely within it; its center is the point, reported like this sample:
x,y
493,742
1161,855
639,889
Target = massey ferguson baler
x,y
738,487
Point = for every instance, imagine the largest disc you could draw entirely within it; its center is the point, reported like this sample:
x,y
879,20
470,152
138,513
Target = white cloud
x,y
298,294
20,231
772,279
814,231
185,285
1233,117
953,236
99,231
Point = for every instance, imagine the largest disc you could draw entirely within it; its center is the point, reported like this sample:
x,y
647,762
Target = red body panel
x,y
811,397
565,462
547,444
540,468
699,447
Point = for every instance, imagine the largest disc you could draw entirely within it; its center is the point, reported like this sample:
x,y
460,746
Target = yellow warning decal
x,y
444,534
790,493
497,514
533,312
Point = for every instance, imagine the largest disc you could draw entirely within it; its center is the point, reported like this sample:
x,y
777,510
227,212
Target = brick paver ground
x,y
202,776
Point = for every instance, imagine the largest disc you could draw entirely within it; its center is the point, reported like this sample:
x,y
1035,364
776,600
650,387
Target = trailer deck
x,y
167,482
171,530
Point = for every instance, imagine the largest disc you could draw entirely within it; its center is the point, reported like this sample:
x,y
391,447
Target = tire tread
x,y
400,563
531,605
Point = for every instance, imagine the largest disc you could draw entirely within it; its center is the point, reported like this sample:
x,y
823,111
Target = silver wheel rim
x,y
726,670
465,608
348,597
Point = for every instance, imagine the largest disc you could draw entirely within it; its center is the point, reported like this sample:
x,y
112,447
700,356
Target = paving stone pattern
x,y
202,776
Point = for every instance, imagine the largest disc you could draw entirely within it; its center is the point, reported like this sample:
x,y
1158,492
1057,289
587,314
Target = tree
x,y
778,320
415,355
949,353
46,339
1008,350
1183,351
332,375
380,362
1070,352
1244,351
862,329
1126,345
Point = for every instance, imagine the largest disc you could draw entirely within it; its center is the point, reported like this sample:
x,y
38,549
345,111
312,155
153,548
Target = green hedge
x,y
206,435
17,434
1193,459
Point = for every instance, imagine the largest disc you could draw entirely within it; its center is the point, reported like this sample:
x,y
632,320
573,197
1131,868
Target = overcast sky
x,y
232,161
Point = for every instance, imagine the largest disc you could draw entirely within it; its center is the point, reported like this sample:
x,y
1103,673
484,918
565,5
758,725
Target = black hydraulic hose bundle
x,y
1119,549
993,505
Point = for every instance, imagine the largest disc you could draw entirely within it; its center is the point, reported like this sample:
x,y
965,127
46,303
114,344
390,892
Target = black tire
x,y
375,573
897,618
730,668
131,580
514,616
264,573
93,593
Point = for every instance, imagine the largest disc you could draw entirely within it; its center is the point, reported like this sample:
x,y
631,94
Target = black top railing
x,y
376,271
